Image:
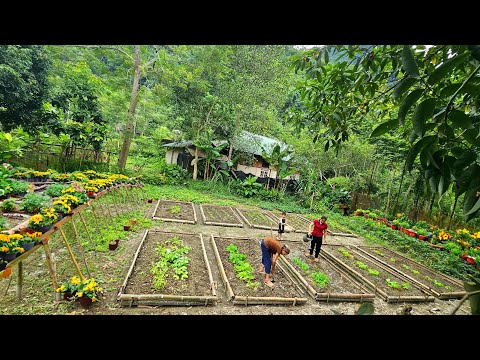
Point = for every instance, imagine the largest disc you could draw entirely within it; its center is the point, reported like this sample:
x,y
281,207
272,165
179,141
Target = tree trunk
x,y
399,189
128,132
451,214
195,161
389,192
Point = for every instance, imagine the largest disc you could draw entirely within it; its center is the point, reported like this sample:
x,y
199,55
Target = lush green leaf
x,y
475,51
415,149
423,112
408,61
442,71
384,127
460,119
402,86
407,103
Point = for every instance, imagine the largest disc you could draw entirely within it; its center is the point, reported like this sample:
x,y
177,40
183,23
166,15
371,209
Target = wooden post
x,y
115,202
19,280
51,269
71,255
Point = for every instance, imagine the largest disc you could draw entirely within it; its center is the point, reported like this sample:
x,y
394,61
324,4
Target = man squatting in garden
x,y
271,250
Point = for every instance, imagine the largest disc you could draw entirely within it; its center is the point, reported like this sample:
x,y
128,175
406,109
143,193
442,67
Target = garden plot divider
x,y
199,279
387,283
430,280
237,290
257,219
220,216
186,211
341,287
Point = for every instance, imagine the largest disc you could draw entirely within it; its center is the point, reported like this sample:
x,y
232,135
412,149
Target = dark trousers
x,y
316,244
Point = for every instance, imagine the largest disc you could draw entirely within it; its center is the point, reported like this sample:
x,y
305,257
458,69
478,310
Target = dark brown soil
x,y
220,215
176,210
379,280
257,218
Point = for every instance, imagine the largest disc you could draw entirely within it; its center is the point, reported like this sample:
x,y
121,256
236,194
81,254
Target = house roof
x,y
244,141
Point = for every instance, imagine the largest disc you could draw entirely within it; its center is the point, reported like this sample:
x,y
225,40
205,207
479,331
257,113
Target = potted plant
x,y
43,222
112,245
10,247
88,292
62,207
422,234
69,287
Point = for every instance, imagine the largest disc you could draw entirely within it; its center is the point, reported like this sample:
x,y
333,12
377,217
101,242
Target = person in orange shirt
x,y
318,230
271,250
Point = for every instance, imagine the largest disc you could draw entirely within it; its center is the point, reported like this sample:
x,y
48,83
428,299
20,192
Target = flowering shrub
x,y
81,288
45,218
9,244
62,206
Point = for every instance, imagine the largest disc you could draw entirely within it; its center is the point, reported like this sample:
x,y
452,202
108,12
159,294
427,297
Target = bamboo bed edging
x,y
155,210
202,213
357,275
387,266
223,224
342,234
236,215
230,293
124,284
413,299
210,276
452,279
194,213
338,297
440,295
311,291
289,277
243,217
200,300
174,220
246,300
170,232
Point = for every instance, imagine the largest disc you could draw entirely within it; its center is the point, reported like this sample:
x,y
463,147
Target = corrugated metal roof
x,y
182,143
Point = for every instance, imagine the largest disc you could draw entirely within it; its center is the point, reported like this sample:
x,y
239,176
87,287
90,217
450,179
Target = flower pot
x,y
43,229
67,295
126,227
28,246
3,265
8,256
112,246
150,201
422,237
133,221
85,302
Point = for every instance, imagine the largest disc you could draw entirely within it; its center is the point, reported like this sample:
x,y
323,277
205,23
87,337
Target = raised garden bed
x,y
176,211
139,284
285,292
220,216
293,221
438,284
333,283
257,218
387,283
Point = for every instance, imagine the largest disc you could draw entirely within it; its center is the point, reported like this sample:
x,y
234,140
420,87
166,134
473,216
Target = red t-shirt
x,y
319,229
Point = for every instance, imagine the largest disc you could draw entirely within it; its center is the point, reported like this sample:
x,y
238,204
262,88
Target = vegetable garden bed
x,y
438,284
388,283
247,287
324,280
256,218
220,216
164,253
176,211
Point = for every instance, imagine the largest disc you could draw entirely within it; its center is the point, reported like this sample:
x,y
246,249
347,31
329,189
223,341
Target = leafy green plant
x,y
301,264
416,272
8,205
406,285
345,253
379,253
175,209
373,272
361,265
33,203
438,283
321,279
55,190
393,284
242,268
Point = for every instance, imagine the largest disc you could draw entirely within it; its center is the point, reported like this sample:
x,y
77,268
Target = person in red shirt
x,y
271,250
318,230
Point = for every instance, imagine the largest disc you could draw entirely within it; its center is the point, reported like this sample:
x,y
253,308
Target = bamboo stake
x,y
81,248
201,299
194,213
95,219
345,297
114,198
244,218
203,214
246,300
300,278
287,274
72,256
230,293
210,277
412,299
236,215
86,230
465,297
175,220
8,286
51,269
156,208
19,280
170,232
223,224
124,285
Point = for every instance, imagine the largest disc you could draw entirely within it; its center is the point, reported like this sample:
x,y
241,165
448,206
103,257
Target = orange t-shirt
x,y
273,245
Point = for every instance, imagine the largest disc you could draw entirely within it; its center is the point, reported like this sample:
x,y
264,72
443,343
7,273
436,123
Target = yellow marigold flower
x,y
58,290
3,249
94,299
15,237
79,294
75,280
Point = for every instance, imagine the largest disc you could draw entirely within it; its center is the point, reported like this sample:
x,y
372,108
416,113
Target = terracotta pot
x,y
422,237
150,201
112,246
67,295
85,302
126,227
